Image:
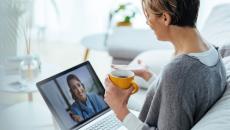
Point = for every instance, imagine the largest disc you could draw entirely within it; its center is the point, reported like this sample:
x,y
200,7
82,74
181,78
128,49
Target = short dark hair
x,y
183,12
70,77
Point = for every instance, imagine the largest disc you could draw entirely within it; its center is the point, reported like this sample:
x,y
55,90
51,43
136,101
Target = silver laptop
x,y
76,99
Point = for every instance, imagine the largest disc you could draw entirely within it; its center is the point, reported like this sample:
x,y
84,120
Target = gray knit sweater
x,y
185,92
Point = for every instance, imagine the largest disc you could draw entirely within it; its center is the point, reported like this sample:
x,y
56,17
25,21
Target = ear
x,y
166,19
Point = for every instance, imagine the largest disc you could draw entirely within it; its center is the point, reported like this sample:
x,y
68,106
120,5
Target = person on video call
x,y
86,104
188,86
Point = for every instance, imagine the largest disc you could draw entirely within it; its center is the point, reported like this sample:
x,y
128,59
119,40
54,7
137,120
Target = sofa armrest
x,y
127,43
218,117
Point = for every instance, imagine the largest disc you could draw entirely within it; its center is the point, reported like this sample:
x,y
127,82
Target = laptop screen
x,y
74,96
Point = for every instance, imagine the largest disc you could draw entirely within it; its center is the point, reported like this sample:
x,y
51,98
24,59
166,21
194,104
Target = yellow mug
x,y
124,79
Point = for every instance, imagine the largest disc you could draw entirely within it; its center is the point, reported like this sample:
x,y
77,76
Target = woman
x,y
85,105
188,86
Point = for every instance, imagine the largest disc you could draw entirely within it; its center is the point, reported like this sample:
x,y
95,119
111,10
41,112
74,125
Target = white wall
x,y
77,17
81,17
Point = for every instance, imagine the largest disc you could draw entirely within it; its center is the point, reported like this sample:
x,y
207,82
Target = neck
x,y
186,40
81,101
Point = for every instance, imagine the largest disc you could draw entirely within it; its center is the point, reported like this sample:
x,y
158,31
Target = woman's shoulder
x,y
182,65
182,61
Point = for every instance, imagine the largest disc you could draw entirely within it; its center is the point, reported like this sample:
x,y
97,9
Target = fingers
x,y
137,72
122,67
140,62
128,94
109,86
108,83
130,91
114,66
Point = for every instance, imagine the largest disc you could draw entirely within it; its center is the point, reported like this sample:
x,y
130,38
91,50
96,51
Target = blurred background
x,y
48,36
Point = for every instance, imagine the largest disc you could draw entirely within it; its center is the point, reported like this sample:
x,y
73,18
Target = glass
x,y
29,69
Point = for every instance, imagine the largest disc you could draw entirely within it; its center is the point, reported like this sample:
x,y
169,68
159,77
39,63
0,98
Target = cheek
x,y
154,25
151,24
82,90
159,30
156,28
75,92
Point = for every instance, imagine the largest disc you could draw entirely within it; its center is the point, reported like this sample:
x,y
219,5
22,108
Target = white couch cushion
x,y
216,29
218,117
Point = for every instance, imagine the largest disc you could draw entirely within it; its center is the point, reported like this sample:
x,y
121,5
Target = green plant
x,y
126,12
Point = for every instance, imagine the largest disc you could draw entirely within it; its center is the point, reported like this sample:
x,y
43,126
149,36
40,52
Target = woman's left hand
x,y
117,98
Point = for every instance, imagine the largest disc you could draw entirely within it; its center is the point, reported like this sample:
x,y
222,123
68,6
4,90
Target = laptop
x,y
75,98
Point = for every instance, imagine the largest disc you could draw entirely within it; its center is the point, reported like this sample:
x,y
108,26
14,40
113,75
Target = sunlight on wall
x,y
78,18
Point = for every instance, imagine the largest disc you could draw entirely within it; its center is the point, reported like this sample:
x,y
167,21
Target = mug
x,y
124,79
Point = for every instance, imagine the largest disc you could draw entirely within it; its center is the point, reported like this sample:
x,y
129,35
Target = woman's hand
x,y
141,71
144,73
117,98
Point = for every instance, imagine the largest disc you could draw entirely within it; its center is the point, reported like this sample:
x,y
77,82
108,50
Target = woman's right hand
x,y
141,71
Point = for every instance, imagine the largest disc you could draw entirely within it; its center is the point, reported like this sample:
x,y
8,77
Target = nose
x,y
78,90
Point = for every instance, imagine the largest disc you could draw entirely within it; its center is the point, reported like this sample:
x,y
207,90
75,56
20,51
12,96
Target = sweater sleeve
x,y
131,122
172,113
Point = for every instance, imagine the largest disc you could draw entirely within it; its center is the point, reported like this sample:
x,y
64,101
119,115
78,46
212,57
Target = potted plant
x,y
124,14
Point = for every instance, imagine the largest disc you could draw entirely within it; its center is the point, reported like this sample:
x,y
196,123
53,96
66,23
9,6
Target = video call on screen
x,y
75,96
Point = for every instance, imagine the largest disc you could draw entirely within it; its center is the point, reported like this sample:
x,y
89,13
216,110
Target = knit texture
x,y
186,89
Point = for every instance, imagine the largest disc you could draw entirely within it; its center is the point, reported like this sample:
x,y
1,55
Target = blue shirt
x,y
93,105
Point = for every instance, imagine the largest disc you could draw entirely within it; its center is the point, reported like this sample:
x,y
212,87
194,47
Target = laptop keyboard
x,y
108,123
